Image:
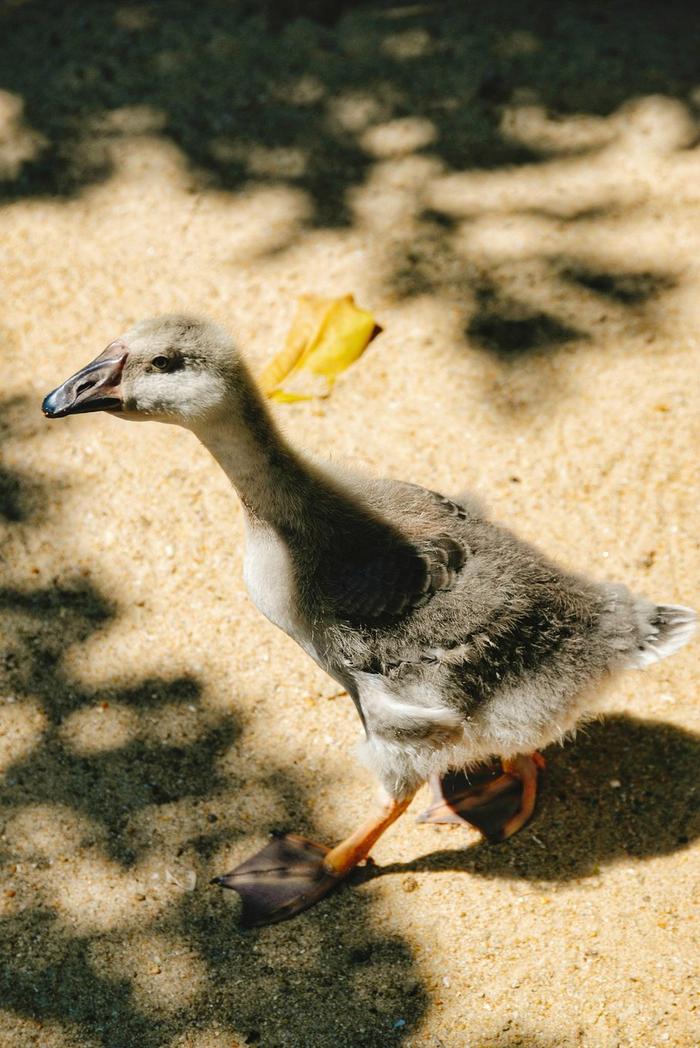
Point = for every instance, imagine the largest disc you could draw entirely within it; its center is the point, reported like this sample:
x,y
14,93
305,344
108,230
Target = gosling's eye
x,y
161,363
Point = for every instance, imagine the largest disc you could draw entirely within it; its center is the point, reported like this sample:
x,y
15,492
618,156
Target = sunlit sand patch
x,y
262,219
214,1037
280,162
109,725
393,192
562,187
412,43
96,895
46,1033
46,831
99,728
128,141
533,126
655,124
107,659
397,137
165,973
648,144
22,725
130,120
257,803
302,91
356,110
18,143
173,723
498,237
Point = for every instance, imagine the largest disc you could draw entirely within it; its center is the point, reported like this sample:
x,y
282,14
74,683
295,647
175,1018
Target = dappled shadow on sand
x,y
113,803
111,830
505,155
20,496
39,626
624,789
117,805
222,79
88,819
510,141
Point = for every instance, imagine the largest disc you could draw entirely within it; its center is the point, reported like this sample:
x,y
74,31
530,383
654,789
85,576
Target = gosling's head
x,y
177,369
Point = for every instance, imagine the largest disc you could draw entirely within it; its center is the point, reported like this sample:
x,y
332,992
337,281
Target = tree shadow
x,y
287,97
625,789
510,329
20,496
223,78
626,288
318,96
106,818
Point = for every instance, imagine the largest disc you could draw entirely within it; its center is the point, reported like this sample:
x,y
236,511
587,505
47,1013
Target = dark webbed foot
x,y
496,801
290,874
284,878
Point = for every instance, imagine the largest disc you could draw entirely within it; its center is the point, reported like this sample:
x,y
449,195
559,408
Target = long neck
x,y
272,482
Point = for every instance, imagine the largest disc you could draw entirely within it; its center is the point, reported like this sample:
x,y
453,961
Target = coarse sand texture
x,y
514,196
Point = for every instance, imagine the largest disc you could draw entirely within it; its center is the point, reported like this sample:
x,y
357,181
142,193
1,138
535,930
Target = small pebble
x,y
185,879
615,784
189,881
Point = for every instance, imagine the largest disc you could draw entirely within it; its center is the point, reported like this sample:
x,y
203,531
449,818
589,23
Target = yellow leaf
x,y
326,336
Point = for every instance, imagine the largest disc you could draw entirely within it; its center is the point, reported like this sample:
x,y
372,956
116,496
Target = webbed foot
x,y
282,879
290,874
497,802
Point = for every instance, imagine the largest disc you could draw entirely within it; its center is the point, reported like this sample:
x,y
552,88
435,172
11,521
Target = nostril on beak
x,y
94,388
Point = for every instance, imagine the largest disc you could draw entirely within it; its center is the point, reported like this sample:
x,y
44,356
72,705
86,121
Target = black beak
x,y
94,388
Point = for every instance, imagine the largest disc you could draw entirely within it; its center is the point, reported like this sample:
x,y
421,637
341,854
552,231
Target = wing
x,y
385,581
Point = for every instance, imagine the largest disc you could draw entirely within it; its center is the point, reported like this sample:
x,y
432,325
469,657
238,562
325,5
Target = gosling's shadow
x,y
625,788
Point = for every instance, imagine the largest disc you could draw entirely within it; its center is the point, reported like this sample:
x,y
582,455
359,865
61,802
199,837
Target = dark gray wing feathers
x,y
387,584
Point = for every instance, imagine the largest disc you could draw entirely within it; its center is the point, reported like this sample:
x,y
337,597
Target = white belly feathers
x,y
268,575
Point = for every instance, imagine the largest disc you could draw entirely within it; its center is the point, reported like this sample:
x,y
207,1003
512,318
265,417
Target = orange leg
x,y
341,859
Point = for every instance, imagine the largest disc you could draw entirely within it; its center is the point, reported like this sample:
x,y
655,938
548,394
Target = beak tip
x,y
49,407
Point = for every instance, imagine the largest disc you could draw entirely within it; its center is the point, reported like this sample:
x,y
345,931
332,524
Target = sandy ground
x,y
517,197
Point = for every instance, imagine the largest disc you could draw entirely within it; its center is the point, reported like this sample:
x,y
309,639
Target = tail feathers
x,y
670,626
